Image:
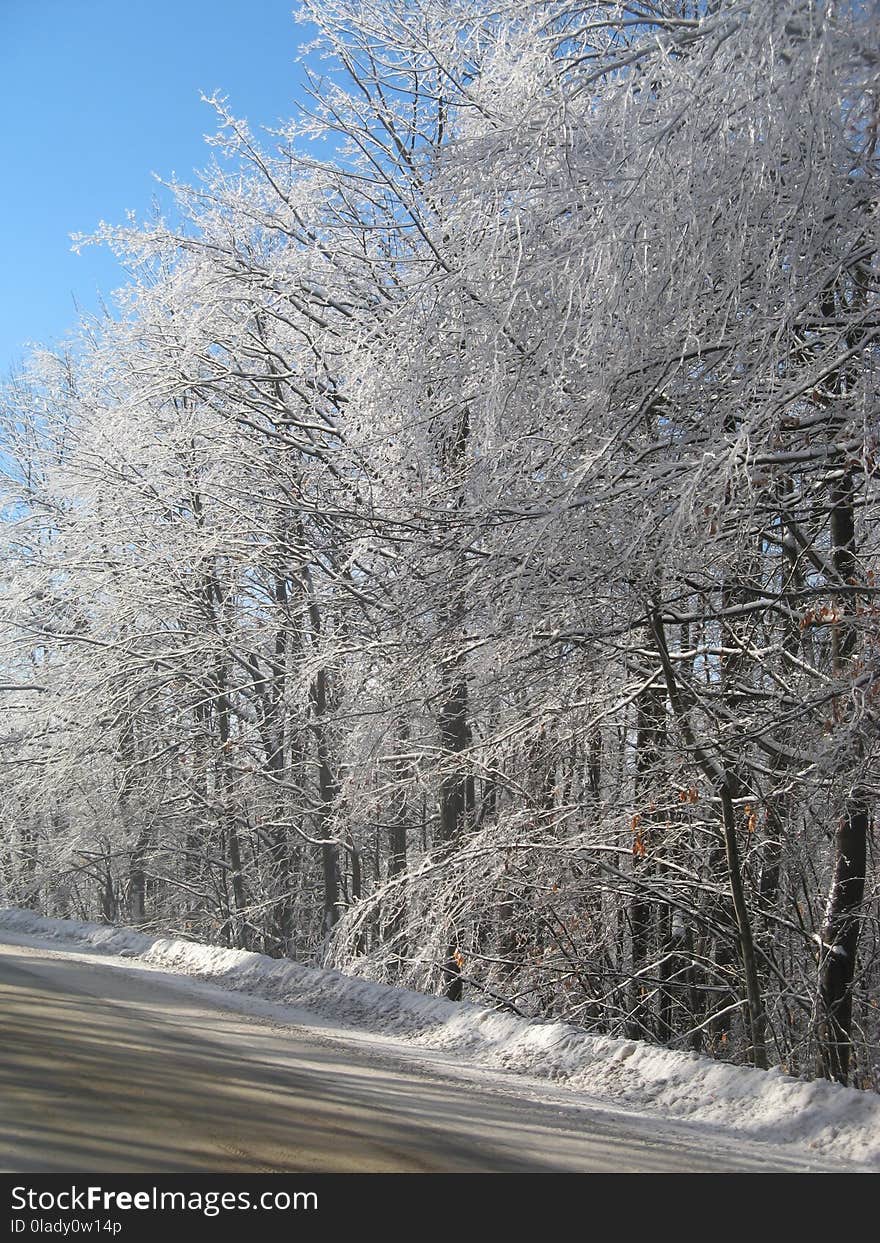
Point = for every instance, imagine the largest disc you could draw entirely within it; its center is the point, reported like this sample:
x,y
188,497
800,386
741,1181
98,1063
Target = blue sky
x,y
95,95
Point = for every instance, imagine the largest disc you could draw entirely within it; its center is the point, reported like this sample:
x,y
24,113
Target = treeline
x,y
456,560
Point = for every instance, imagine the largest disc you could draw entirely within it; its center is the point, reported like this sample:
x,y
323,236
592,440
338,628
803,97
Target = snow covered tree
x,y
458,562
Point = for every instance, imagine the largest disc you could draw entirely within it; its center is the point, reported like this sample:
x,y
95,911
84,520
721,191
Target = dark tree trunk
x,y
456,791
650,741
840,930
327,785
239,934
840,938
456,801
594,766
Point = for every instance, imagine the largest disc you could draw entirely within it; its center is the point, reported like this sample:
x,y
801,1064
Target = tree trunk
x,y
650,739
840,930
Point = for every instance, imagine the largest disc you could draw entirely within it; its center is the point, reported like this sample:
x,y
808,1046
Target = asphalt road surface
x,y
105,1068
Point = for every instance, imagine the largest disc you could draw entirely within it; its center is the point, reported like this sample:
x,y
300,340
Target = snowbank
x,y
833,1121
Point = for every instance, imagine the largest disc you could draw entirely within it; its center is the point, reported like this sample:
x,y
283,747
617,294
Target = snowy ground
x,y
834,1123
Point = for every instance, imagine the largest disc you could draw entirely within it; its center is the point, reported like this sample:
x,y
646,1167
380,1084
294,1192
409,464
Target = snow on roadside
x,y
761,1105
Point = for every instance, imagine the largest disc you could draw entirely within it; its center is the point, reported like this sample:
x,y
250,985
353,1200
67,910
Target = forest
x,y
454,559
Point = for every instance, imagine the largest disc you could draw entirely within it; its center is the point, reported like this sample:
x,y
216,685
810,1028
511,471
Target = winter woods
x,y
457,560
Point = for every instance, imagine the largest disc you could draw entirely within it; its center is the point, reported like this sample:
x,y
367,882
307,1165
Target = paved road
x,y
105,1068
